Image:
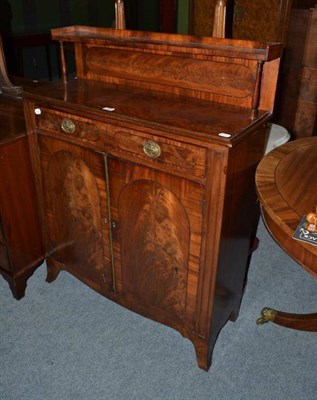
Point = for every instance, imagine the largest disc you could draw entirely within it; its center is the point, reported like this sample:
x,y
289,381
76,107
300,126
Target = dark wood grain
x,y
20,241
303,322
233,80
296,104
12,123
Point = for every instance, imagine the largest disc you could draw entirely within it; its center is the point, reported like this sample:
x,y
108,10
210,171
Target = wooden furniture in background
x,y
287,185
20,240
203,17
278,20
145,171
296,103
265,20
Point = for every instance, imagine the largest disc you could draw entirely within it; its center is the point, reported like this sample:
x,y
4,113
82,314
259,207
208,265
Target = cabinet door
x,y
156,232
75,207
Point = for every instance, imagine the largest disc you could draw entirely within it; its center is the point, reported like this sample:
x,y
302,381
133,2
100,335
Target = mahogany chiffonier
x,y
145,166
20,240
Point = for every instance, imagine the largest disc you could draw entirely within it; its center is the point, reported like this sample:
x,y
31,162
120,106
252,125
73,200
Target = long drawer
x,y
132,144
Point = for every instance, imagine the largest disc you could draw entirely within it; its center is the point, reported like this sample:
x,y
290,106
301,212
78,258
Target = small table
x,y
286,183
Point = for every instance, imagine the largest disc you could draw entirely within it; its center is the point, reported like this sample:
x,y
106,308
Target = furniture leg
x,y
17,287
52,270
18,283
203,354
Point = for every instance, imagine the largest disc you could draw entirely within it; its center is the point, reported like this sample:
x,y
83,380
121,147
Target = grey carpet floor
x,y
63,341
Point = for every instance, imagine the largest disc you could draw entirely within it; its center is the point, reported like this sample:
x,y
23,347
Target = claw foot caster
x,y
267,315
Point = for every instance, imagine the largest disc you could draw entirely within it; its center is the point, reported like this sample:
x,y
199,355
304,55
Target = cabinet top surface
x,y
198,120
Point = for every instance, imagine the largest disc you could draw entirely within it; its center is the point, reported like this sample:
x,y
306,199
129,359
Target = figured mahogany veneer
x,y
145,170
287,190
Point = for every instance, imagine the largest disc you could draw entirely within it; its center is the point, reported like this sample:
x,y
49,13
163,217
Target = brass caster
x,y
267,315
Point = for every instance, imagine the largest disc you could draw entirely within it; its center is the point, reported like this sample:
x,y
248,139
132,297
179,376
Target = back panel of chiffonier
x,y
240,73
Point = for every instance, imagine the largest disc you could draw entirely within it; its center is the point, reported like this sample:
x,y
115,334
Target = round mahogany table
x,y
286,181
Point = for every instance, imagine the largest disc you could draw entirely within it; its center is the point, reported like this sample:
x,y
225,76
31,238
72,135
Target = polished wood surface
x,y
145,174
189,62
153,110
287,186
20,241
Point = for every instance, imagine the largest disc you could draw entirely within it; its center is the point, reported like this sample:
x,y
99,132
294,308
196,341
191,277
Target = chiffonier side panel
x,y
217,162
240,221
269,84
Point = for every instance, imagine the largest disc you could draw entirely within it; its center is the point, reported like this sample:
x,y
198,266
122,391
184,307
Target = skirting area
x,y
63,341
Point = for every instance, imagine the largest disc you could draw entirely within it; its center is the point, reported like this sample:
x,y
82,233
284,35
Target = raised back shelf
x,y
240,73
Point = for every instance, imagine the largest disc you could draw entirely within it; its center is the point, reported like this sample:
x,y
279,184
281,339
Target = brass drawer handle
x,y
68,125
151,149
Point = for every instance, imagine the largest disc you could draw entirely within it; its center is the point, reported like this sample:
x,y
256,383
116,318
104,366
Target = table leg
x,y
302,322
